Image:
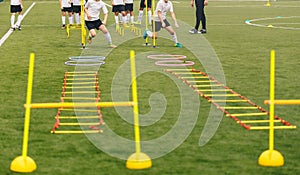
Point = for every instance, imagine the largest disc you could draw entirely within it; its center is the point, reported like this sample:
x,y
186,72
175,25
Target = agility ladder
x,y
86,82
241,109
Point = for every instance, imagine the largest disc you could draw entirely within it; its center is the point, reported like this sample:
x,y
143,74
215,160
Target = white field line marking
x,y
2,40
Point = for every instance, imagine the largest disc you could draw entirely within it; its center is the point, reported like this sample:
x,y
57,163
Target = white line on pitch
x,y
2,40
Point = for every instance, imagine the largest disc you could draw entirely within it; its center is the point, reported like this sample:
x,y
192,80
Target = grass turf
x,y
242,49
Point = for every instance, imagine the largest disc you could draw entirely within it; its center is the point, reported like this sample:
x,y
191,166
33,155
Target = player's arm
x,y
86,10
192,3
60,3
174,19
159,15
105,18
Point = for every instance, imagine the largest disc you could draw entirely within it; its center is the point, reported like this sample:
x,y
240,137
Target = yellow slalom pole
x,y
146,22
268,4
153,23
137,160
24,163
271,157
83,31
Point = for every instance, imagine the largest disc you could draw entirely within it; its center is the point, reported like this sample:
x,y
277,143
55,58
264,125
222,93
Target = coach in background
x,y
200,16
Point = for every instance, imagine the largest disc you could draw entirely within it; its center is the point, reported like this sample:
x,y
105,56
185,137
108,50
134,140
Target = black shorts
x,y
158,25
15,8
76,8
118,8
67,9
142,4
129,7
93,24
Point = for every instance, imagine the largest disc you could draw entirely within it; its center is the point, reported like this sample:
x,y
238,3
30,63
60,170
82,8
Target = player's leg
x,y
70,16
63,18
106,33
173,34
20,17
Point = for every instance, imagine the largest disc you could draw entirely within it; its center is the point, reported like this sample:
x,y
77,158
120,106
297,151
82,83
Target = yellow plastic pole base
x,y
268,4
23,165
136,162
271,158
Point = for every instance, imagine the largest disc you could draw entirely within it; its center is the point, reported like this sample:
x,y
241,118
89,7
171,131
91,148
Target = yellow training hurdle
x,y
137,160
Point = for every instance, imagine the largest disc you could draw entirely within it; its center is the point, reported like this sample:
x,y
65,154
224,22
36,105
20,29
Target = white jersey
x,y
128,1
118,2
66,3
76,2
15,2
163,8
94,8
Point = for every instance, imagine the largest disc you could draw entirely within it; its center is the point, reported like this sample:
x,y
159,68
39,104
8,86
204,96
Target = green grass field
x,y
242,50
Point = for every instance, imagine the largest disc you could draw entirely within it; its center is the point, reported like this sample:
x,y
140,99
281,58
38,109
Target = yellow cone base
x,y
23,165
138,162
271,158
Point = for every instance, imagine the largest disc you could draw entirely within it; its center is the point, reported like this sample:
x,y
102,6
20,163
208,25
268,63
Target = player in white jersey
x,y
76,8
162,7
16,6
141,11
65,6
92,21
118,6
129,11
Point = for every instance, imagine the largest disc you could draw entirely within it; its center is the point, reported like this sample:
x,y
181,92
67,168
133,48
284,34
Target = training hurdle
x,y
135,161
272,157
80,27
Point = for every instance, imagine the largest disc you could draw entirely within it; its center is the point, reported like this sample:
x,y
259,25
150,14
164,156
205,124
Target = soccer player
x,y
141,11
16,6
162,7
200,16
129,10
118,6
65,6
77,10
92,20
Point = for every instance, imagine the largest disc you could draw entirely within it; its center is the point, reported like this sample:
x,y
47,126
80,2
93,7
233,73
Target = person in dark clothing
x,y
200,16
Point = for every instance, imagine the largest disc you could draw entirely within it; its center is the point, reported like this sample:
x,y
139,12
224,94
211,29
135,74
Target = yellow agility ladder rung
x,y
257,121
78,87
248,114
212,90
204,77
268,127
208,85
72,79
81,92
80,75
77,98
83,72
199,81
188,73
77,132
78,110
231,101
77,117
222,95
79,83
240,107
77,124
